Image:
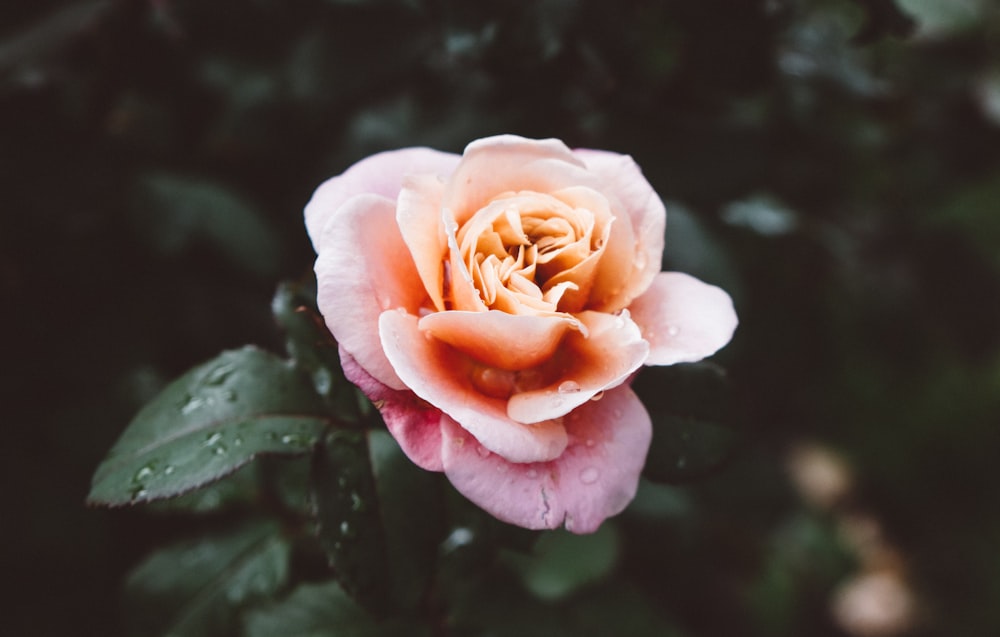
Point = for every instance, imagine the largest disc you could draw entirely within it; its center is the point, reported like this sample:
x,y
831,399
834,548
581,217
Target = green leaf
x,y
194,588
411,506
313,349
564,562
379,519
172,212
208,423
321,610
689,408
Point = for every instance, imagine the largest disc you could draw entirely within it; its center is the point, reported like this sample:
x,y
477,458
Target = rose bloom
x,y
495,305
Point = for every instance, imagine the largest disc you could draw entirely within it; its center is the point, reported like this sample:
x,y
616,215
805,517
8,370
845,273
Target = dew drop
x,y
357,504
168,470
673,330
482,451
139,493
346,530
219,450
590,475
144,473
219,375
323,381
238,441
599,395
290,439
194,403
568,387
213,439
459,537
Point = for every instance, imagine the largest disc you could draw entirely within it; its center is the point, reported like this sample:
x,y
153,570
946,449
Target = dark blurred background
x,y
834,164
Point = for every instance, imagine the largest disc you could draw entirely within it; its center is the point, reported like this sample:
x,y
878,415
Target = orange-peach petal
x,y
487,336
355,286
605,357
435,372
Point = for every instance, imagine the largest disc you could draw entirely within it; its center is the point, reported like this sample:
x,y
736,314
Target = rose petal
x,y
508,163
612,349
683,319
355,286
380,174
595,478
414,424
486,336
418,214
442,377
630,193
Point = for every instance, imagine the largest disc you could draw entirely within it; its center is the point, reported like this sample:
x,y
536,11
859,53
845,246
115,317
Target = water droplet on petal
x,y
599,395
482,451
569,387
590,475
673,330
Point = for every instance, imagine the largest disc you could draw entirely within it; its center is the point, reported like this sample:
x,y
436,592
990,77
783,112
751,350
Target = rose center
x,y
521,248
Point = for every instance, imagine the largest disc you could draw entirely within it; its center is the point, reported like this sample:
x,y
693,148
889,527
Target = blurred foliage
x,y
834,164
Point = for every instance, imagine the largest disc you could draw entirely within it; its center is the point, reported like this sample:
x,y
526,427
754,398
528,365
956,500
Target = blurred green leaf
x,y
208,423
688,404
378,519
313,349
172,212
322,610
563,562
193,589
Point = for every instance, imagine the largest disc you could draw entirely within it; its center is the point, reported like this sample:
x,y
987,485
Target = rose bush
x,y
494,306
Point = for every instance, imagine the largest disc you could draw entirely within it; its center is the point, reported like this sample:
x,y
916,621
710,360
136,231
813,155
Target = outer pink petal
x,y
507,163
486,336
595,478
612,349
441,376
380,174
684,319
623,181
414,424
363,269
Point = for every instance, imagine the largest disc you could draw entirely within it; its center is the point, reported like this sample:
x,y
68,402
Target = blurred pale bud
x,y
875,604
821,476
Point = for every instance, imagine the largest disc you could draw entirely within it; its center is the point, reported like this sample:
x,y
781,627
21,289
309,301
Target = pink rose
x,y
494,306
